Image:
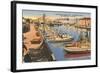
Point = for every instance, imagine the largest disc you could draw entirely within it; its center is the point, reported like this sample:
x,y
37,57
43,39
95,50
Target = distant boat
x,y
61,39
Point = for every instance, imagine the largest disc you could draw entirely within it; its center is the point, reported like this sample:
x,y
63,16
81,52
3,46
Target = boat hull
x,y
68,40
77,52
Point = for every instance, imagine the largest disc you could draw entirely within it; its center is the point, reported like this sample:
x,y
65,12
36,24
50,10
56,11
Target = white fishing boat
x,y
63,38
70,48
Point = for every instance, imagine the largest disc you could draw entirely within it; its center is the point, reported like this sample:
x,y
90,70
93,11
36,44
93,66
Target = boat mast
x,y
44,21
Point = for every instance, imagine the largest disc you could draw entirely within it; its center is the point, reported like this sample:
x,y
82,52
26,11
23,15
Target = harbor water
x,y
58,47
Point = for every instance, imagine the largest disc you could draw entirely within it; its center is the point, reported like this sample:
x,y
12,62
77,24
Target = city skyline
x,y
54,13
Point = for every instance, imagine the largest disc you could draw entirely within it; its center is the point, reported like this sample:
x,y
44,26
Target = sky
x,y
53,13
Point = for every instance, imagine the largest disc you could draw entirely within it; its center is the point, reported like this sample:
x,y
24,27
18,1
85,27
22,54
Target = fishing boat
x,y
63,38
33,39
77,48
84,44
36,48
